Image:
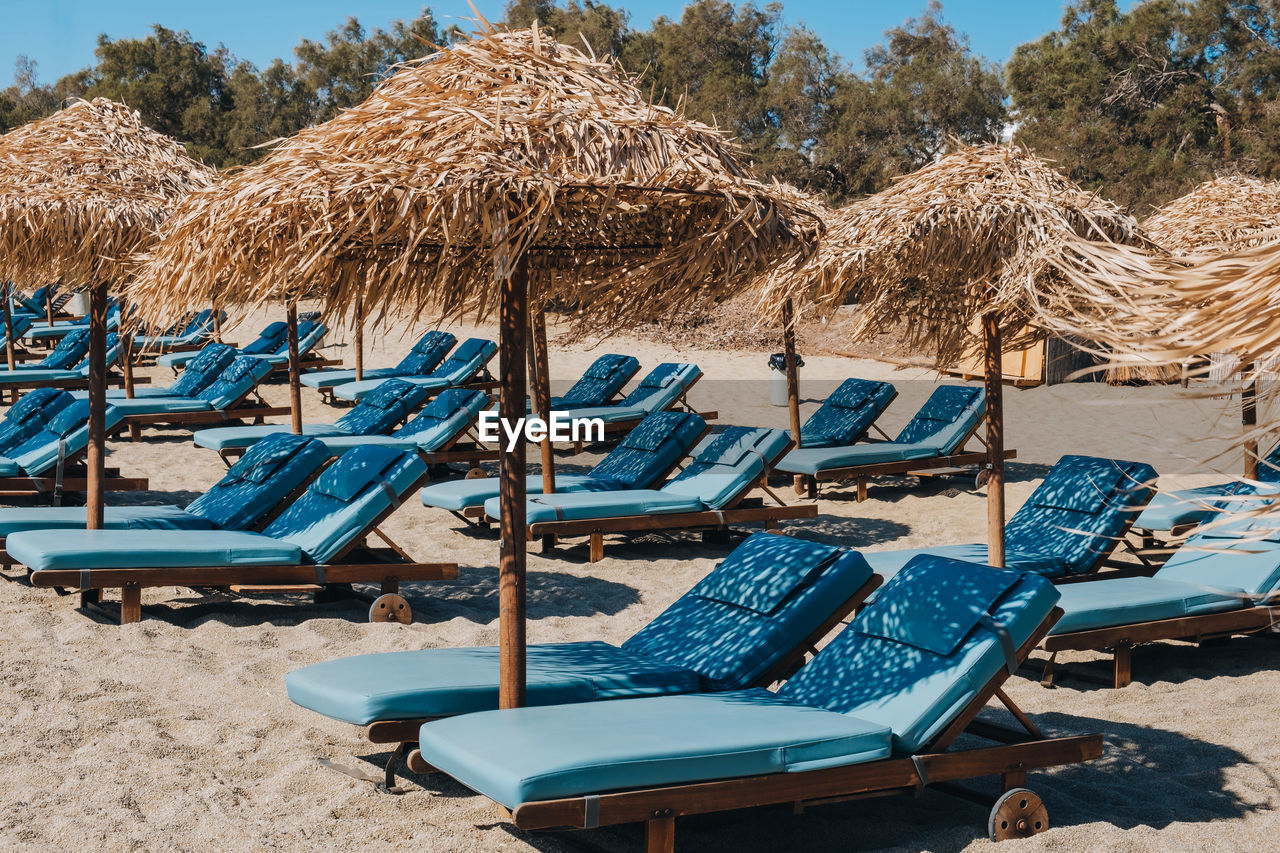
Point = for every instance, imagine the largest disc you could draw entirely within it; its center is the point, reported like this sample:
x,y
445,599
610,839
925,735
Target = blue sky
x,y
61,34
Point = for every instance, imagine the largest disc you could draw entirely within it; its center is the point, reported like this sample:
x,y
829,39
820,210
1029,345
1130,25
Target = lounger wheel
x,y
476,474
390,608
981,478
1018,813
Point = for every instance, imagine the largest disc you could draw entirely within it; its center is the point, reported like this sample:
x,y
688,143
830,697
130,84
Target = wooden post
x,y
97,447
793,380
542,404
126,347
48,303
295,383
217,323
1249,420
514,321
9,355
359,338
995,438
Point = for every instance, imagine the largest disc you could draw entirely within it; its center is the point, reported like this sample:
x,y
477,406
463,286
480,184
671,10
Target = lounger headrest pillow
x,y
662,375
948,403
356,470
467,350
762,572
214,357
656,430
1249,524
430,341
266,457
70,419
241,367
605,366
73,338
1084,483
948,598
41,404
388,395
733,446
852,393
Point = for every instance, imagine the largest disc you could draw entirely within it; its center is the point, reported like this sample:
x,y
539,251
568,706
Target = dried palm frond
x,y
1230,212
82,189
422,198
956,239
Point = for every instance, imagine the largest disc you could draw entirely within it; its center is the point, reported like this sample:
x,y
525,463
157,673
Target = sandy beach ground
x,y
176,733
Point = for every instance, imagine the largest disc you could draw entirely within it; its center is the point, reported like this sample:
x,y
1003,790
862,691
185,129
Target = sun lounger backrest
x,y
341,503
113,354
1083,506
21,324
240,377
650,450
465,361
606,375
39,453
269,339
1251,562
444,418
426,354
309,334
846,414
382,408
931,641
260,480
753,609
730,464
203,370
946,418
663,386
201,322
73,347
29,415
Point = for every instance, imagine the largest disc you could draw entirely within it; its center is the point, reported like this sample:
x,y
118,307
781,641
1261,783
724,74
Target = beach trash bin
x,y
778,377
78,304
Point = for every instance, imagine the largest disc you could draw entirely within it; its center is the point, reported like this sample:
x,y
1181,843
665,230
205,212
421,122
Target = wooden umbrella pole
x,y
48,304
295,382
9,354
1249,420
793,379
542,403
359,338
126,348
217,323
514,321
995,438
97,447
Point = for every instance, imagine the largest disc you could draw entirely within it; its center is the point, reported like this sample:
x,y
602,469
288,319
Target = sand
x,y
176,733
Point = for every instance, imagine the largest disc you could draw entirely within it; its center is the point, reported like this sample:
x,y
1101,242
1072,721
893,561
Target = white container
x,y
778,387
78,304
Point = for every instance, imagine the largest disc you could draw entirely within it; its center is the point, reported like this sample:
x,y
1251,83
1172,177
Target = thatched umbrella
x,y
1228,213
956,243
500,173
80,191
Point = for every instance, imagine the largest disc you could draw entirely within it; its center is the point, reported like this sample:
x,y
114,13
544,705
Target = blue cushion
x,y
260,481
606,375
1244,564
16,519
1168,510
945,418
159,405
729,465
238,437
147,549
889,563
379,411
764,570
233,383
619,504
529,754
30,377
203,370
441,682
269,340
815,460
1112,602
1078,483
915,691
649,451
662,387
847,413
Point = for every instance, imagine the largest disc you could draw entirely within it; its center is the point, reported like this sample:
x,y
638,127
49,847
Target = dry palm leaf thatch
x,y
82,189
956,239
1230,212
423,197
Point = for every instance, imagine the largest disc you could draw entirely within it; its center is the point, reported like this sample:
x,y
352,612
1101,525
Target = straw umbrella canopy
x,y
499,173
956,245
80,191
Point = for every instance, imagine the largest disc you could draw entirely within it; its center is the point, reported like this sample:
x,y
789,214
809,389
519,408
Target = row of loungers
x,y
271,346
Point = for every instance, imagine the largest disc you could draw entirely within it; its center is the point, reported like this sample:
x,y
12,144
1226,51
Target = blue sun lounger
x,y
425,356
183,338
21,323
248,494
643,459
748,623
269,340
710,494
599,384
1173,513
76,376
43,333
462,367
73,347
45,461
36,305
316,539
272,346
436,433
1068,527
1224,580
376,414
875,712
934,438
30,414
847,414
664,388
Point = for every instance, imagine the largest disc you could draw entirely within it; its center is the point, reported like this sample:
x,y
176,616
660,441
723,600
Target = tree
x,y
599,26
26,99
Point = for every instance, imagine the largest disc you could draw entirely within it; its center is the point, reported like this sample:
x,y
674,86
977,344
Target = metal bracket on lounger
x,y
59,471
922,774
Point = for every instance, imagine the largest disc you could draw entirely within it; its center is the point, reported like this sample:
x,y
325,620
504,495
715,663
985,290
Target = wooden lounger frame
x,y
932,466
741,509
1120,640
479,380
74,479
404,733
356,563
256,410
1015,754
